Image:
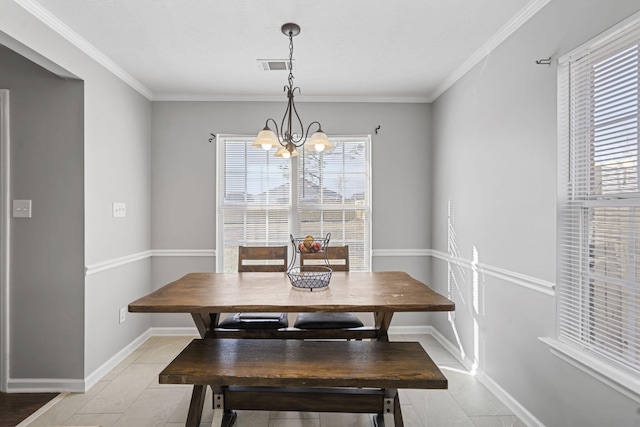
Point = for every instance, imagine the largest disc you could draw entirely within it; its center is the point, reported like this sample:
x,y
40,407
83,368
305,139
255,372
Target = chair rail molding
x,y
183,252
116,262
533,283
139,256
402,252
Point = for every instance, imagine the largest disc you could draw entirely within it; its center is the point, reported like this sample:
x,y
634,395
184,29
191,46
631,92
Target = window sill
x,y
618,379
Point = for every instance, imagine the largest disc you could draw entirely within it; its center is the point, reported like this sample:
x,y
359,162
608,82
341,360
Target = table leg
x,y
203,323
382,322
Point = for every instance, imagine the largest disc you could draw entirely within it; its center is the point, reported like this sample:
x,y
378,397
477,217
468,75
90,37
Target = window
x,y
599,222
263,199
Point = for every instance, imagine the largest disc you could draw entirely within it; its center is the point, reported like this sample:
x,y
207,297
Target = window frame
x,y
293,210
578,248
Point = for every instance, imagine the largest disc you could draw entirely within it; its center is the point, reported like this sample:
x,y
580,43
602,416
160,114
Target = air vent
x,y
274,64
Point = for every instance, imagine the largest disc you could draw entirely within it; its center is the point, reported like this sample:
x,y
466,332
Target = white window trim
x,y
219,263
621,380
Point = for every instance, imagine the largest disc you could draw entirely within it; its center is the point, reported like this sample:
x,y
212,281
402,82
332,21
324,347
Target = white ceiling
x,y
401,50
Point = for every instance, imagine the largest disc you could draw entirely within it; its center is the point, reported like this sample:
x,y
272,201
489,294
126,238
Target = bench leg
x,y
397,413
229,418
196,406
378,420
391,410
221,417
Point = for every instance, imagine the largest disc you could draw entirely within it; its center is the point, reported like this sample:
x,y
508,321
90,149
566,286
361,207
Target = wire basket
x,y
314,278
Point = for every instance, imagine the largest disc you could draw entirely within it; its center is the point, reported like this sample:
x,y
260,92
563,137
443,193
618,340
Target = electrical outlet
x,y
119,210
123,314
22,208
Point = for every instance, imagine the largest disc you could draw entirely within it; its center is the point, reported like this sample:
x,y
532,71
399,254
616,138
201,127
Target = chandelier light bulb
x,y
266,139
320,141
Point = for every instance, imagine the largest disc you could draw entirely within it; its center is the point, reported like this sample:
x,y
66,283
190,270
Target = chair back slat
x,y
262,259
338,257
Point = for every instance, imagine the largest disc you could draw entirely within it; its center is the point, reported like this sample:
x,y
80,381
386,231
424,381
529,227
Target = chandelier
x,y
285,137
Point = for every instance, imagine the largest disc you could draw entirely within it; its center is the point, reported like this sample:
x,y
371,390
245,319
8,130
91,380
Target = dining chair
x,y
259,259
338,257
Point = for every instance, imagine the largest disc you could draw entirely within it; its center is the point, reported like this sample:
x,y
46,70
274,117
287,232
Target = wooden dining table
x,y
206,296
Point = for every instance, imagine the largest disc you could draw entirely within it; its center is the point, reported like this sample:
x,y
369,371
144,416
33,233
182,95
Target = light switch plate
x,y
22,208
119,210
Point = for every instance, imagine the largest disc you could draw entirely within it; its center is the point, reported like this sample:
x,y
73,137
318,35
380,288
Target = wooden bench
x,y
295,375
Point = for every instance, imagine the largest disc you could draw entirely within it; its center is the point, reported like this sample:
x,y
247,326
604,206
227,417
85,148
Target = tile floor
x,y
130,396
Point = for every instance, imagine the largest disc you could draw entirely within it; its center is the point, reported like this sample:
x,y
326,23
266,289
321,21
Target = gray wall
x,y
479,190
117,169
184,177
47,251
494,171
115,166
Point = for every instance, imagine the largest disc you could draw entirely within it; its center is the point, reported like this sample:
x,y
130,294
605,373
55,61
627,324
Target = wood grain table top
x,y
390,291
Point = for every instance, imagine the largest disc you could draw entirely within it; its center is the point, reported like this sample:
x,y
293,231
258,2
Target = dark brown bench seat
x,y
296,375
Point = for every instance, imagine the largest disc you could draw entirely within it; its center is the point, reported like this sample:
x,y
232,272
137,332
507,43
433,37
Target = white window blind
x,y
253,199
599,218
259,205
334,197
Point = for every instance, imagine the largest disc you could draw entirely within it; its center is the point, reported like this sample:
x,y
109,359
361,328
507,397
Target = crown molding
x,y
516,22
190,97
87,48
58,26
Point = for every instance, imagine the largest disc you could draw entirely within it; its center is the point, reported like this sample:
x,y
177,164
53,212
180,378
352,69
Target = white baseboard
x,y
93,378
186,331
55,385
410,330
72,385
509,401
107,366
45,385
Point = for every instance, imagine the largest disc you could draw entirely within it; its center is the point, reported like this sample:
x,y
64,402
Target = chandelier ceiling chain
x,y
290,59
288,140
